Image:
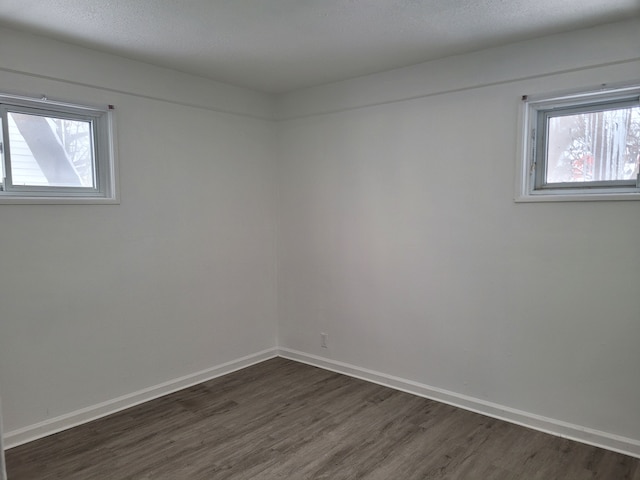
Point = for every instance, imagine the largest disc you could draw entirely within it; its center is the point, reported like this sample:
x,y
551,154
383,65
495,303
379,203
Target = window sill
x,y
13,200
577,197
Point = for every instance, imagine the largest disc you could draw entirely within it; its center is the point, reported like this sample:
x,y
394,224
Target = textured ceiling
x,y
282,45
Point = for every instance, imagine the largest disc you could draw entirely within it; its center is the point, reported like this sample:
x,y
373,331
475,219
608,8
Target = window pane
x,y
49,151
595,146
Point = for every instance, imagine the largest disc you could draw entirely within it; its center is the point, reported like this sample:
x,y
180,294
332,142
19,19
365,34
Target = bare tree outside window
x,y
75,137
594,146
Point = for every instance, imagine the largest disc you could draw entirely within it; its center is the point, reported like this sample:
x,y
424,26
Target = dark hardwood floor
x,y
284,420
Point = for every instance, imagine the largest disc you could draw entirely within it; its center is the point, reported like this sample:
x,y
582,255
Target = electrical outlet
x,y
324,338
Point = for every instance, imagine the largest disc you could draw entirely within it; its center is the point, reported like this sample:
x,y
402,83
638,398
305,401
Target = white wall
x,y
99,301
401,240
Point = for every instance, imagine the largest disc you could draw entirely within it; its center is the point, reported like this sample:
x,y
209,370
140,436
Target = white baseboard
x,y
616,443
84,415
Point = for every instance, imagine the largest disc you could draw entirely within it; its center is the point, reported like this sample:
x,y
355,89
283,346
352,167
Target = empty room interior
x,y
337,239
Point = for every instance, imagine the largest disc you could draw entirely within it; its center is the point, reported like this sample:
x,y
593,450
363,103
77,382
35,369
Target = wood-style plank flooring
x,y
284,420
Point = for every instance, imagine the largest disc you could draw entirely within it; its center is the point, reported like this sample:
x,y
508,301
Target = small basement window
x,y
581,147
54,152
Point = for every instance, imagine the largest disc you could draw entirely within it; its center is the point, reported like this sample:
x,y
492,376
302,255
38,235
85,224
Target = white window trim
x,y
525,173
106,163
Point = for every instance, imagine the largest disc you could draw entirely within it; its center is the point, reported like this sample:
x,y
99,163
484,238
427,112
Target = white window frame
x,y
104,152
530,185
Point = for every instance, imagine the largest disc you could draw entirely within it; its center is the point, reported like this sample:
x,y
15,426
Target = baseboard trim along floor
x,y
616,443
84,415
624,445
